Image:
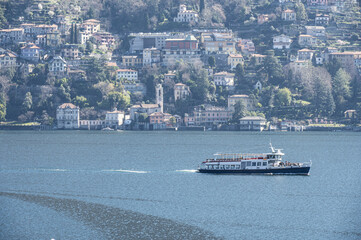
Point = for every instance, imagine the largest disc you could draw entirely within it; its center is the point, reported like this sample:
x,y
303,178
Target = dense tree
x,y
283,97
239,111
273,69
89,47
202,5
116,100
80,101
333,66
27,103
64,93
212,61
301,13
2,107
323,102
341,88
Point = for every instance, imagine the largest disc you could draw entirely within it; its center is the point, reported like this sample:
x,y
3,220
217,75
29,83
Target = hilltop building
x,y
181,91
185,15
185,49
127,74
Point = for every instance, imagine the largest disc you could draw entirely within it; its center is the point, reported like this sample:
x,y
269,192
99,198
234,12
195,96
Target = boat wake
x,y
188,170
124,171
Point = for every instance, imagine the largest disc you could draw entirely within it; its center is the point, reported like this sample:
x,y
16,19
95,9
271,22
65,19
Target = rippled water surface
x,y
143,185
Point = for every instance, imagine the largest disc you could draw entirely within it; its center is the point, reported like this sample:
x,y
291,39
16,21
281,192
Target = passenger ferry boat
x,y
266,163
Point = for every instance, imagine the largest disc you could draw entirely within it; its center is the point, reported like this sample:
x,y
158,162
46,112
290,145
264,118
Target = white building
x,y
185,15
127,74
114,119
234,59
7,59
232,100
144,108
57,66
67,116
316,31
151,56
224,79
281,42
307,40
289,15
252,123
181,91
140,41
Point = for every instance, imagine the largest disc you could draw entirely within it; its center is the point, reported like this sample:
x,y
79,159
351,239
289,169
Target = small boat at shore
x,y
249,163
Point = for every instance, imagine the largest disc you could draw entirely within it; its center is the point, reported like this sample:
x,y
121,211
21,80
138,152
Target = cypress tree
x,y
72,33
76,34
202,5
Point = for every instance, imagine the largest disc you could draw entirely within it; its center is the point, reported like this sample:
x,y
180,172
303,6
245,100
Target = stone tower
x,y
159,95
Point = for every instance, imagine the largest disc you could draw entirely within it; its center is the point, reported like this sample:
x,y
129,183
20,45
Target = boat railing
x,y
236,157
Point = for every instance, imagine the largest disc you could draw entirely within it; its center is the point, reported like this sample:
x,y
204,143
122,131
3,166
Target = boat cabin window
x,y
264,163
258,163
249,163
254,163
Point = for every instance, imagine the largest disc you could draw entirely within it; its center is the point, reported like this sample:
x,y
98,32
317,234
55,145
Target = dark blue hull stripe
x,y
299,170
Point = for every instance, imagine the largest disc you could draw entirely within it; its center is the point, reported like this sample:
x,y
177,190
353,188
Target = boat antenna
x,y
270,143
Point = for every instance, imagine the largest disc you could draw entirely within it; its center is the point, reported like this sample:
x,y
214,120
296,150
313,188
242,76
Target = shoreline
x,y
182,128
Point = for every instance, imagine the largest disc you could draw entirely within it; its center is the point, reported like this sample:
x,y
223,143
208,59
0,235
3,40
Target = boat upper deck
x,y
237,157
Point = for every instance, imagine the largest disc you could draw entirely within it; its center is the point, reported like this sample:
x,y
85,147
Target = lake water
x,y
143,185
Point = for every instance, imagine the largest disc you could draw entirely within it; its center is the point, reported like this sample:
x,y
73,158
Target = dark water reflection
x,y
115,223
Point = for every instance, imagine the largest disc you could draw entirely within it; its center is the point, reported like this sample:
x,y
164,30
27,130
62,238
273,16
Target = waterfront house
x,y
114,119
252,123
67,116
135,110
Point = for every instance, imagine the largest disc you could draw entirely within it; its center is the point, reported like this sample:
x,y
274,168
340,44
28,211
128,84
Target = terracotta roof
x,y
223,73
345,53
235,55
115,111
126,70
239,96
149,105
249,118
145,106
306,50
68,105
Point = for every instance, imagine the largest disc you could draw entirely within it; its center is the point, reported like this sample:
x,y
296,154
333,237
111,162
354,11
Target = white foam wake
x,y
52,170
187,170
124,170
